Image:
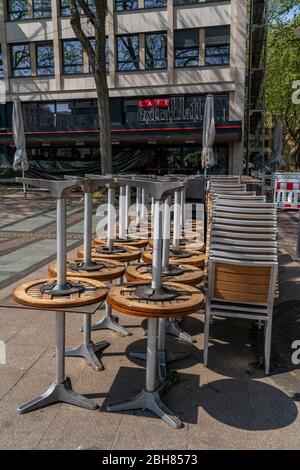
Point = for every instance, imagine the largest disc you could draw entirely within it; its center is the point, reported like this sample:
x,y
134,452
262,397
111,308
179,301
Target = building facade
x,y
163,58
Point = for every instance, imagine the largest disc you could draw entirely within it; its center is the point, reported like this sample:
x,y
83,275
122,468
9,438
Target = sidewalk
x,y
230,405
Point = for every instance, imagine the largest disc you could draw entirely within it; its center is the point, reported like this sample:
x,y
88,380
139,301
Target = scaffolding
x,y
255,119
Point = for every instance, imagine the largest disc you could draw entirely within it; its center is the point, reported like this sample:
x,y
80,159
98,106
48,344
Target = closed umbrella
x,y
20,159
276,159
209,134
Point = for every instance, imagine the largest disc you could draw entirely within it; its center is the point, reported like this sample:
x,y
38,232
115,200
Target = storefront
x,y
149,134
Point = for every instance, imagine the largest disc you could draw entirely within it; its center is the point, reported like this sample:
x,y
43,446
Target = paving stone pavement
x,y
229,405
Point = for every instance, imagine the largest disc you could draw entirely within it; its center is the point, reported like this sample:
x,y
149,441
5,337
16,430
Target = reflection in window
x,y
45,59
42,9
189,2
126,5
72,57
93,44
156,51
20,60
17,10
65,8
155,3
217,45
128,52
186,44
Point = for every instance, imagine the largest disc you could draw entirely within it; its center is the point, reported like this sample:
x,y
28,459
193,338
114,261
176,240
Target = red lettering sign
x,y
156,103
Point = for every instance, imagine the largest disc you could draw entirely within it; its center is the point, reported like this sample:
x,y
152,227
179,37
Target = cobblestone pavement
x,y
229,405
27,241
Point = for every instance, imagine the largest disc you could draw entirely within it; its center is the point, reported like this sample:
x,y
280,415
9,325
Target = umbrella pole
x,y
24,184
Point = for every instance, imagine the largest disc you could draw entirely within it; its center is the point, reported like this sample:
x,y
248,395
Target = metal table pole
x,y
144,207
110,220
87,349
61,389
88,228
182,215
122,213
108,321
176,223
61,234
149,398
138,206
128,204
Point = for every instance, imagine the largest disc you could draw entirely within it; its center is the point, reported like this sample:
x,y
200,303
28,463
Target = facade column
x,y
201,47
4,48
57,44
238,70
110,30
170,41
142,51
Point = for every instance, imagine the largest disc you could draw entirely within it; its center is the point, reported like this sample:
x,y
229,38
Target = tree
x,y
283,70
96,11
281,10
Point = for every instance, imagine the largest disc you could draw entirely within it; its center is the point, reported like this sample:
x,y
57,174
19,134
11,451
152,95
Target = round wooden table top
x,y
191,274
187,245
137,243
123,299
29,294
194,258
110,270
131,254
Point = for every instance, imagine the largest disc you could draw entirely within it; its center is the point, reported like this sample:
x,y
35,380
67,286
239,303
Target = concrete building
x,y
163,58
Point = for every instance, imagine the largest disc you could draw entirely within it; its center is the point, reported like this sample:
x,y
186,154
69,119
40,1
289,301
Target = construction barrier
x,y
287,193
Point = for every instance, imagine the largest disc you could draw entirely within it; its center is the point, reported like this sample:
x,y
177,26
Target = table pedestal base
x,y
88,351
173,328
58,393
150,401
163,359
108,322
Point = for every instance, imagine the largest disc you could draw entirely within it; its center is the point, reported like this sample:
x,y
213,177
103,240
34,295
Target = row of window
x,y
18,9
186,52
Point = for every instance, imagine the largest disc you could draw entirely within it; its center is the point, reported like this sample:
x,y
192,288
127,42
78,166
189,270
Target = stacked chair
x,y
242,261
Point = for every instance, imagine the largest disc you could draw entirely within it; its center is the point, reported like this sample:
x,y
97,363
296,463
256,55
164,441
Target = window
x,y
72,57
42,9
45,59
128,52
17,10
1,64
92,41
186,45
126,5
65,8
156,51
155,3
217,45
189,2
20,60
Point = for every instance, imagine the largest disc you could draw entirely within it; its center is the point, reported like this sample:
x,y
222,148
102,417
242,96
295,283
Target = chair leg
x,y
268,338
206,337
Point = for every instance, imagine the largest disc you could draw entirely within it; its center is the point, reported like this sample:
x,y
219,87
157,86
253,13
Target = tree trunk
x,y
104,125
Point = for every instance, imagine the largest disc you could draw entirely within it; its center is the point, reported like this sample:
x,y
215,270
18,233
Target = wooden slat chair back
x,y
241,289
